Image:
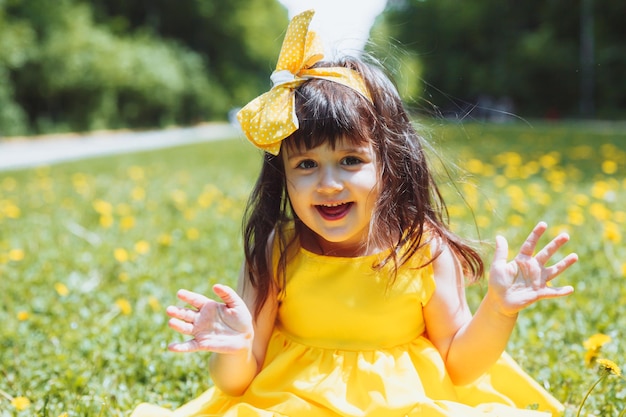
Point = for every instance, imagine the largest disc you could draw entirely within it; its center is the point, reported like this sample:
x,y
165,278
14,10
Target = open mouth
x,y
334,211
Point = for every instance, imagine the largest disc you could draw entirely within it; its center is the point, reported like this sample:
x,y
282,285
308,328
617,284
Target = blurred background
x,y
83,65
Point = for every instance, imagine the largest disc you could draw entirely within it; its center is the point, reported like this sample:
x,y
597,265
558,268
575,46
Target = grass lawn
x,y
91,253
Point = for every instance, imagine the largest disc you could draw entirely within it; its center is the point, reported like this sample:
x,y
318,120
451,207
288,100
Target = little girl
x,y
351,299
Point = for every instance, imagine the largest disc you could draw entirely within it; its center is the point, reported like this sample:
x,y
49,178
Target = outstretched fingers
x,y
501,252
192,298
530,244
556,269
182,319
544,255
228,295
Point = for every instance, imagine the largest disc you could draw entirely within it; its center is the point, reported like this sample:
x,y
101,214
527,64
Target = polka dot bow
x,y
271,117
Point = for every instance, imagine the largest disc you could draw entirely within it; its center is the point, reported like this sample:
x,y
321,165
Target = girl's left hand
x,y
524,280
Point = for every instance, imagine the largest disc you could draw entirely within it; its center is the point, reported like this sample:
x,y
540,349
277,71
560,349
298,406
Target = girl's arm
x,y
227,329
470,345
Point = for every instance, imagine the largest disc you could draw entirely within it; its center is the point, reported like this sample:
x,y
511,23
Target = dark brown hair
x,y
410,210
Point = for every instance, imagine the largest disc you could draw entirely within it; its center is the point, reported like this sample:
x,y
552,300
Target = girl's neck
x,y
314,243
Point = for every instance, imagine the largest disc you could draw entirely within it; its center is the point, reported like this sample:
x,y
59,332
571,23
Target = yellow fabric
x,y
347,344
271,117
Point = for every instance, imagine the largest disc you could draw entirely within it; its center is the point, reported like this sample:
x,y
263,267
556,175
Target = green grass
x,y
91,252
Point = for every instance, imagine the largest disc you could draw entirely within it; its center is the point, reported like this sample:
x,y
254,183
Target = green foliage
x,y
527,51
92,251
16,40
85,65
239,39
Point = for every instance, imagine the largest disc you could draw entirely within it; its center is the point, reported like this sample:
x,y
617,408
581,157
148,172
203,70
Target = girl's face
x,y
333,192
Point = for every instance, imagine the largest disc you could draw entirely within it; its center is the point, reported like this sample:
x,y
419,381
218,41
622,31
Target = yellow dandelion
x,y
575,216
600,189
136,173
550,160
599,211
193,234
180,198
120,255
500,181
483,221
226,206
516,220
23,315
530,169
189,214
124,306
138,194
456,210
509,158
20,403
61,289
208,196
165,239
608,366
475,166
609,167
11,210
154,304
612,232
142,247
79,180
624,269
127,222
590,357
513,171
103,207
106,221
596,341
581,199
63,414
16,255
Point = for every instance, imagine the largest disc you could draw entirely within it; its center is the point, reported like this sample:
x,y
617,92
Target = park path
x,y
18,153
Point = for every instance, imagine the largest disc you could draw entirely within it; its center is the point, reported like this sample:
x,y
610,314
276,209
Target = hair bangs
x,y
329,112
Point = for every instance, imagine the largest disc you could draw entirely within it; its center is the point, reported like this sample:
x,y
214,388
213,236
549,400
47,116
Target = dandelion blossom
x,y
124,306
61,289
608,366
193,234
16,255
154,304
20,403
596,341
120,254
142,247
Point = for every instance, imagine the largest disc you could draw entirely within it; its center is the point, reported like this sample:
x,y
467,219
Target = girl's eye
x,y
351,160
307,164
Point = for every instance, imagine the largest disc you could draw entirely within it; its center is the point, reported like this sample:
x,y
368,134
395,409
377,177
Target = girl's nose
x,y
329,181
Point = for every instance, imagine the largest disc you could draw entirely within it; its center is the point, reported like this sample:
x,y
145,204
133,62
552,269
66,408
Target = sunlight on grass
x,y
91,252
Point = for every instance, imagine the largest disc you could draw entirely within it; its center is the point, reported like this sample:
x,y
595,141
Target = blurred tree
x,y
525,52
83,65
16,41
238,40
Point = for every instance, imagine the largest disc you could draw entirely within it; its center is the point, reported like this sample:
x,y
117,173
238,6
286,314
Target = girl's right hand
x,y
217,327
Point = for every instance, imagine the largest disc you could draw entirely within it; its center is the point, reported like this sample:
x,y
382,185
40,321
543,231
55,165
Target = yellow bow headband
x,y
271,117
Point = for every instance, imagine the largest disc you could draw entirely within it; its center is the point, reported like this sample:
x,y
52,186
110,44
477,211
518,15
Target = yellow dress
x,y
348,344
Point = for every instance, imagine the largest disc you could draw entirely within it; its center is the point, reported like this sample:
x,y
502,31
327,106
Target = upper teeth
x,y
332,204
